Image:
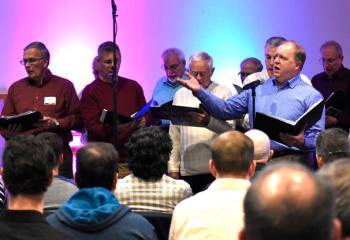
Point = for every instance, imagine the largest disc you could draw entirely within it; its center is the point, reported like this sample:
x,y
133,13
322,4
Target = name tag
x,y
50,101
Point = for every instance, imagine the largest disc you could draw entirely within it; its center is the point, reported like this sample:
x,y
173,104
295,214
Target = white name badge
x,y
50,101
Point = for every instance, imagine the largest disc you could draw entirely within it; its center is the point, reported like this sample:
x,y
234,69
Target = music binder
x,y
178,115
26,120
336,103
273,125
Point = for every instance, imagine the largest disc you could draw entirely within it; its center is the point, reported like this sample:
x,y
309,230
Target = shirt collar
x,y
46,79
291,82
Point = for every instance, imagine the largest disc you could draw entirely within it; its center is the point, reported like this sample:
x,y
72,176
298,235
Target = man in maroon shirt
x,y
335,78
98,96
53,96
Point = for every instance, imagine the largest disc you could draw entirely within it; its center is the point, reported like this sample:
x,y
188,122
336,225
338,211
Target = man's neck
x,y
26,202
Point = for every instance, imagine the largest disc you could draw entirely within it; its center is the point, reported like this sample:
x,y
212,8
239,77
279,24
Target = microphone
x,y
114,8
253,84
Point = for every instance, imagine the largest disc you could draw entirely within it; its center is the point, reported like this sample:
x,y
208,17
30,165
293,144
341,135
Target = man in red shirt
x,y
53,96
98,96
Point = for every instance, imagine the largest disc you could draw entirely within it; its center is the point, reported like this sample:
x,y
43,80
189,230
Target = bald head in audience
x,y
262,149
337,173
232,156
287,201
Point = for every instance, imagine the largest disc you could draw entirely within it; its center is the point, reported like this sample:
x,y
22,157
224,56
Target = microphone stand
x,y
114,78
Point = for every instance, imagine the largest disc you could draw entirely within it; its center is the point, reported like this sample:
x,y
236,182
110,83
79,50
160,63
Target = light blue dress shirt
x,y
288,101
164,91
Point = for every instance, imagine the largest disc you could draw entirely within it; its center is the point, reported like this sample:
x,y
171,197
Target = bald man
x,y
262,151
217,212
293,204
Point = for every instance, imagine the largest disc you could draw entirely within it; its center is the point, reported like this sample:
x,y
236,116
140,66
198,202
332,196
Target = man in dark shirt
x,y
334,78
53,96
98,96
27,172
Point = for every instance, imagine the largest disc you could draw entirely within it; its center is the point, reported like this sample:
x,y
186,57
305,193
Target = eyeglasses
x,y
171,67
327,60
244,74
29,61
202,74
110,62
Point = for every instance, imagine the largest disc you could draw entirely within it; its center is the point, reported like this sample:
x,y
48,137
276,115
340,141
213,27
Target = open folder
x,y
273,125
26,120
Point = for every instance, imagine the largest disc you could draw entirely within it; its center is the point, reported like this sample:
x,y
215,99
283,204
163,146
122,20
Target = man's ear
x,y
270,154
212,168
212,71
115,181
242,235
320,160
251,169
60,159
337,229
50,180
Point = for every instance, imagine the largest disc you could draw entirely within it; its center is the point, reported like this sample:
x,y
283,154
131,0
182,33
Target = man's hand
x,y
174,175
47,123
192,83
200,117
331,121
13,130
291,140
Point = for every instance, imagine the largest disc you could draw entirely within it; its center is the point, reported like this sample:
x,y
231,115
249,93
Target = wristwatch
x,y
56,123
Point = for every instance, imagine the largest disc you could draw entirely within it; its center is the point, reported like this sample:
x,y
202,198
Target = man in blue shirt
x,y
173,63
285,96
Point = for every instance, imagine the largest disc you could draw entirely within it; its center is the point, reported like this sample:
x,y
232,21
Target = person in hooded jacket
x,y
94,212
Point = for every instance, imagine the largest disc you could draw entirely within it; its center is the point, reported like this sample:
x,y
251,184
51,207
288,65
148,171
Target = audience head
x,y
105,60
249,66
232,155
201,67
173,63
289,61
287,201
97,166
331,57
36,59
148,151
262,150
271,45
337,173
332,144
55,142
27,165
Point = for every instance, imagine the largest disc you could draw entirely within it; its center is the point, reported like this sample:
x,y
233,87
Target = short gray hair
x,y
45,54
202,56
335,44
175,51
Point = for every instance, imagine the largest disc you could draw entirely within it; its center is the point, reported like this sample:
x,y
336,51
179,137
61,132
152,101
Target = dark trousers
x,y
66,168
200,182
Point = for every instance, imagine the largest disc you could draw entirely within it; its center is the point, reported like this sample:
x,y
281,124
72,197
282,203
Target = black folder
x,y
178,115
336,103
273,125
26,120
